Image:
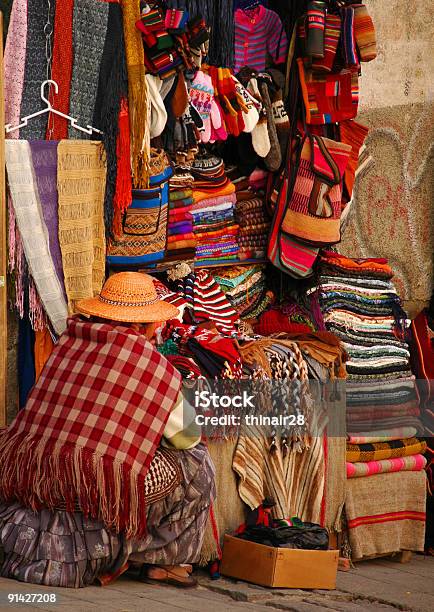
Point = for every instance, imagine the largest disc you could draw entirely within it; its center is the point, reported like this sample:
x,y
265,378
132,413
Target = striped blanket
x,y
378,451
414,463
386,513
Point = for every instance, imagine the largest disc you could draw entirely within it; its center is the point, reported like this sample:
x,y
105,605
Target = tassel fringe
x,y
66,474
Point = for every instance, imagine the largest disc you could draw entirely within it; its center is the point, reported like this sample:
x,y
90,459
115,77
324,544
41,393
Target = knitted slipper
x,y
273,159
251,115
260,138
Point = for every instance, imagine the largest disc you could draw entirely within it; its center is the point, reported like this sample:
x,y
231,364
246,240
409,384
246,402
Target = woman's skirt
x,y
58,548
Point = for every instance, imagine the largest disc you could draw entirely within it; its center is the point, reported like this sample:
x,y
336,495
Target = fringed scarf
x,y
112,89
33,231
91,427
89,29
81,176
36,68
61,68
14,64
44,158
137,95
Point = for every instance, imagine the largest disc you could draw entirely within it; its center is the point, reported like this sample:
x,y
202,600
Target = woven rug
x,y
386,513
33,231
81,177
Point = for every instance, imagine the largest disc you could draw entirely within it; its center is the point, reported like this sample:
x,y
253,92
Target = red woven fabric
x,y
274,322
61,70
91,426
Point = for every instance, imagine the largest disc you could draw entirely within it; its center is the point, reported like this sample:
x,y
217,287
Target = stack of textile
x,y
251,216
360,305
181,242
215,228
245,288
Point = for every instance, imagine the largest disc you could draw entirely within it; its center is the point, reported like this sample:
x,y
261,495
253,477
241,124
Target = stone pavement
x,y
372,585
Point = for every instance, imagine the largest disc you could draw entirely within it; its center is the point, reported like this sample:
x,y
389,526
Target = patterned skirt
x,y
58,548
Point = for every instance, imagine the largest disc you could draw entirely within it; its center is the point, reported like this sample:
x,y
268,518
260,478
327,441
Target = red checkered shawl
x,y
91,426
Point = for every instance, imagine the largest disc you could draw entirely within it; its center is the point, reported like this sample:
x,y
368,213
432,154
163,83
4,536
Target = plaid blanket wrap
x,y
91,426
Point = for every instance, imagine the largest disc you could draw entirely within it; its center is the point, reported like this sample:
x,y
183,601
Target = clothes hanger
x,y
248,5
49,109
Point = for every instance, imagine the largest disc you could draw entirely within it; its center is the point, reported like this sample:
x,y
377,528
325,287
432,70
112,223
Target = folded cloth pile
x,y
360,305
245,288
206,302
181,242
251,215
214,224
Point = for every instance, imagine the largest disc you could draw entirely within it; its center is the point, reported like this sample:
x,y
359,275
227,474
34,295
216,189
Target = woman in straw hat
x,y
104,469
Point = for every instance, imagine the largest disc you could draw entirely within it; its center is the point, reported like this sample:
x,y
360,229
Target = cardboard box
x,y
279,567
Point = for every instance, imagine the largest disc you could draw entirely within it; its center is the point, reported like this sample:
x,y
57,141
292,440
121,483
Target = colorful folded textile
x,y
378,451
414,463
386,513
370,437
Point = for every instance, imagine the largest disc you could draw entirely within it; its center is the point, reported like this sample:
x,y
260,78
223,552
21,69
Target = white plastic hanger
x,y
49,109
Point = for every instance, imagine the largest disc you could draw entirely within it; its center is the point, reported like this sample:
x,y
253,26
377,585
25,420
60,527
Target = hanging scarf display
x,y
89,29
36,66
14,63
61,68
112,89
27,207
81,175
137,95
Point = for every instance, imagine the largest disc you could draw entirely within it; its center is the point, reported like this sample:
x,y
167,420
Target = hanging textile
x,y
44,158
36,66
81,176
43,349
61,68
27,207
89,29
219,17
14,64
137,95
26,360
112,88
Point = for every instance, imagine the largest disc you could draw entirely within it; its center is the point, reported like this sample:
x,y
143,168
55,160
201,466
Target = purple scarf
x,y
44,156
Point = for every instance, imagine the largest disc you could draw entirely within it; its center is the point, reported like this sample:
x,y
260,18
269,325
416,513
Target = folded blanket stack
x,y
181,243
251,216
214,223
245,289
360,305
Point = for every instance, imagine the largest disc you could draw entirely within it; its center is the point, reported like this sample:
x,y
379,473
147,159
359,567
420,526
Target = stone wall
x,y
393,215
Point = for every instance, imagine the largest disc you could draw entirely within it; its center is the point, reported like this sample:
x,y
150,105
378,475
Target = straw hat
x,y
129,297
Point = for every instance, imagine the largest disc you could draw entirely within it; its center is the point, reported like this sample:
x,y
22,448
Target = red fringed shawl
x,y
91,426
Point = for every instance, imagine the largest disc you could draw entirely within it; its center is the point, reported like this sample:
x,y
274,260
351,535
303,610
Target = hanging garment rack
x,y
50,109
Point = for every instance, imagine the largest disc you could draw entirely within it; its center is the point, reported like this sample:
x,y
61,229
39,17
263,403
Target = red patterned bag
x,y
314,206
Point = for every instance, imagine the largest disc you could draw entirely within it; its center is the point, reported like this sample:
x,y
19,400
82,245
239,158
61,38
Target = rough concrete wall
x,y
393,214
